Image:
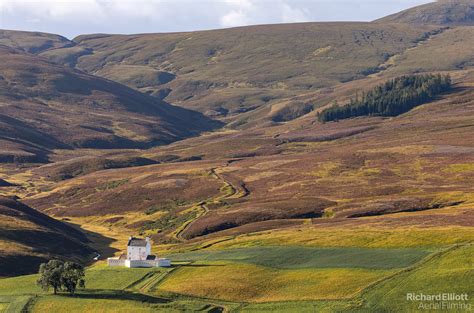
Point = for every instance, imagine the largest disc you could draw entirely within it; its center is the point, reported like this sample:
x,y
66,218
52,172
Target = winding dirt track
x,y
233,189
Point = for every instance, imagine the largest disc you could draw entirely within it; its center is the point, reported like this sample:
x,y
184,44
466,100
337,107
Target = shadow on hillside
x,y
105,294
13,265
455,88
100,243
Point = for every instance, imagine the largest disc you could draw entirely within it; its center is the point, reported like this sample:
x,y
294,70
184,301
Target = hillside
x,y
279,176
441,12
48,106
28,237
225,73
33,42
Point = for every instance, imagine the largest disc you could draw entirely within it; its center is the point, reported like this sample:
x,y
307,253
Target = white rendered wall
x,y
137,253
115,262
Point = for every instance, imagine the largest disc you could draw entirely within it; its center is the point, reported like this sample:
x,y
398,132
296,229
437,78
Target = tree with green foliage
x,y
50,275
73,277
61,275
392,98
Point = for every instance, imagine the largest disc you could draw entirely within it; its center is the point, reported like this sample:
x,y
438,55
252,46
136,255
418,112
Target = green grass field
x,y
242,282
451,271
448,271
117,302
107,290
284,273
294,257
264,279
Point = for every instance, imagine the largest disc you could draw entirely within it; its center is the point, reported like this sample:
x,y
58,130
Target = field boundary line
x,y
411,268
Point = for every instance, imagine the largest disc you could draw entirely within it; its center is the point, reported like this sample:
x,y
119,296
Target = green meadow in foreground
x,y
277,279
294,257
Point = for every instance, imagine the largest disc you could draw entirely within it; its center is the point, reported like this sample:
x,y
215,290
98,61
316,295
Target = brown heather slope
x,y
230,71
441,12
410,171
414,169
28,237
47,106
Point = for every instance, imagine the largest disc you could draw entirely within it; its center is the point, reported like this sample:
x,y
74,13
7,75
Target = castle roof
x,y
136,242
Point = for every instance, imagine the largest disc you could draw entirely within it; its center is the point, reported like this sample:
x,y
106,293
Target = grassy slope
x,y
448,272
121,292
444,51
250,283
33,42
216,74
285,273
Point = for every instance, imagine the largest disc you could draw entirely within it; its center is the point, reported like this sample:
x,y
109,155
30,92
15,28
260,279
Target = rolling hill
x,y
47,106
33,42
224,73
441,12
28,237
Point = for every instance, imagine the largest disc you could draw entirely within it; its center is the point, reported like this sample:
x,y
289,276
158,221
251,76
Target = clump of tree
x,y
59,275
392,98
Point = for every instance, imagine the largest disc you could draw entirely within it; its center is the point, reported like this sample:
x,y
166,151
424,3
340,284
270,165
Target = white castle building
x,y
138,255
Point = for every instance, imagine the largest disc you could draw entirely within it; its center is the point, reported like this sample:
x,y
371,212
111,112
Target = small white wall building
x,y
139,255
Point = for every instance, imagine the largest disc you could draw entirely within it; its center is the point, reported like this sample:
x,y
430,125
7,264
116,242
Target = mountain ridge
x,y
441,12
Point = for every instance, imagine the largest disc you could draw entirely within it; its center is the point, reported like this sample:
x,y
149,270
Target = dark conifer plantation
x,y
392,98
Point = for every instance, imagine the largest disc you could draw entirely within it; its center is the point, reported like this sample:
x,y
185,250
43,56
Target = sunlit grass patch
x,y
19,285
103,277
448,272
120,129
13,304
125,302
358,237
466,197
83,304
107,290
326,169
297,307
249,282
460,168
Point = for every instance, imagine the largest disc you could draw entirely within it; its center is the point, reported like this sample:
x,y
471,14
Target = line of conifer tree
x,y
392,98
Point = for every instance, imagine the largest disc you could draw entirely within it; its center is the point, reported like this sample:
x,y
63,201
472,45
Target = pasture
x,y
250,283
107,290
295,257
284,273
285,278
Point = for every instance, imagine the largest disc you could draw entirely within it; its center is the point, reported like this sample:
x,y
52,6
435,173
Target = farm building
x,y
138,255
